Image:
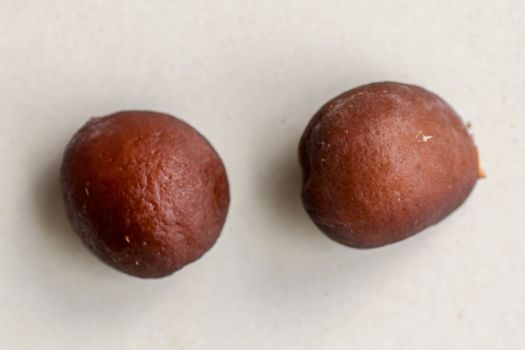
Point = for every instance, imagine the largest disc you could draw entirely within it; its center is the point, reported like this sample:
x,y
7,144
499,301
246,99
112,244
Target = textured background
x,y
249,75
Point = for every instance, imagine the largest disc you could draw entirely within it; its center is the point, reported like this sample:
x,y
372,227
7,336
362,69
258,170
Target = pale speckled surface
x,y
249,75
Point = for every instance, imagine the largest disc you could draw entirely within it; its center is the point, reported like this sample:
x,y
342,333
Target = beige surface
x,y
249,74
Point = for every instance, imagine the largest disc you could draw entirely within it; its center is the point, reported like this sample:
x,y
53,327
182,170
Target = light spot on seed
x,y
397,195
423,137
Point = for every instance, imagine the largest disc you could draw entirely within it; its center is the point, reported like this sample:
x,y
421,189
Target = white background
x,y
249,75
